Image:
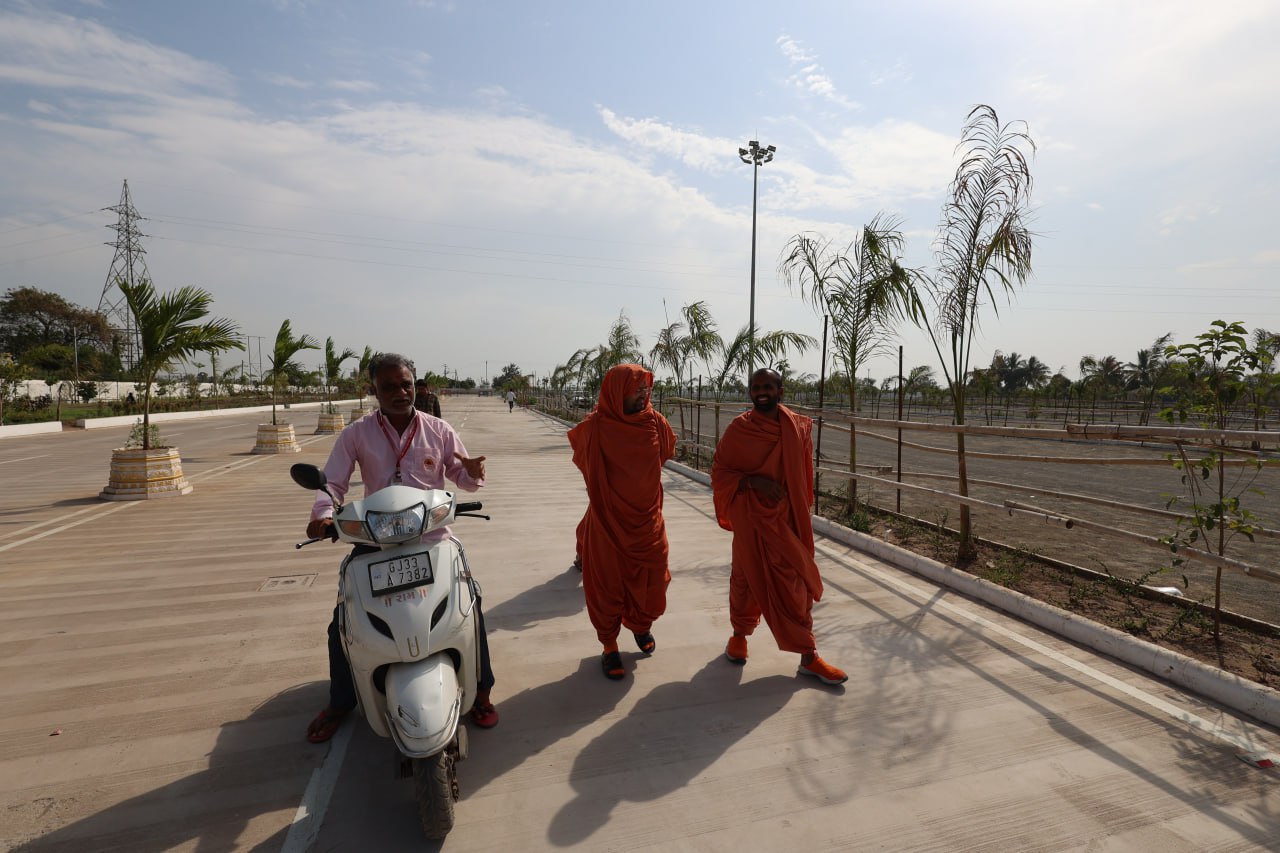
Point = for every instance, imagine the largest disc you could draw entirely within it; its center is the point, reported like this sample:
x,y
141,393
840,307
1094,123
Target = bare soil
x,y
1247,647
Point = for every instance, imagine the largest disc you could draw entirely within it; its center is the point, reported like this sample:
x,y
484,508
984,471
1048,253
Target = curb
x,y
1239,694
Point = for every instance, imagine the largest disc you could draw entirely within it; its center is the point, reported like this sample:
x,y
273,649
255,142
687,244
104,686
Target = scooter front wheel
x,y
435,787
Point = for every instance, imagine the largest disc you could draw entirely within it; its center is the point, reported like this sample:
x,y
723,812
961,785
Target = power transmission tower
x,y
129,265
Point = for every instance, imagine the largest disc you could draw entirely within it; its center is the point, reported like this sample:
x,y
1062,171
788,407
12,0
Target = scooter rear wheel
x,y
435,787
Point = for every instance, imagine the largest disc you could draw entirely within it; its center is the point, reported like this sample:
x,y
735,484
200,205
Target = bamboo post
x,y
898,503
697,448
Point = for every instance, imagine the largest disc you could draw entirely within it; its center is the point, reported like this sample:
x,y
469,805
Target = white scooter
x,y
409,630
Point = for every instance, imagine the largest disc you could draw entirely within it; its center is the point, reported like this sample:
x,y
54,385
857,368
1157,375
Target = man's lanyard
x,y
395,444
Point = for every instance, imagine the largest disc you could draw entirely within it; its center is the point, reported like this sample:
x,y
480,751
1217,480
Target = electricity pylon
x,y
129,265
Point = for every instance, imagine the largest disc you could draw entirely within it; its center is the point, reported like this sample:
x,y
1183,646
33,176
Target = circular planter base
x,y
276,438
139,475
356,414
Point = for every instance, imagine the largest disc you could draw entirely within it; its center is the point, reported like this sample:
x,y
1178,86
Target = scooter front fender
x,y
424,703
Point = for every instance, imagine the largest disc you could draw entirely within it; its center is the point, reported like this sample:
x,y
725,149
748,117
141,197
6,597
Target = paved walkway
x,y
154,697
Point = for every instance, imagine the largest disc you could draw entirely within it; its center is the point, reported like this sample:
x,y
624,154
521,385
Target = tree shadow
x,y
560,595
249,775
671,735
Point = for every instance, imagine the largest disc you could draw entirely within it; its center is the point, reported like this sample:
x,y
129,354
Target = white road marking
x,y
305,828
119,505
1180,714
40,524
24,459
115,507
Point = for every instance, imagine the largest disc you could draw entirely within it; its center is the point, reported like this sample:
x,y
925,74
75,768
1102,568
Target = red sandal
x,y
325,725
485,716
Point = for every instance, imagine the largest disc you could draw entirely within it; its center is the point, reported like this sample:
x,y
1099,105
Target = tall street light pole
x,y
757,157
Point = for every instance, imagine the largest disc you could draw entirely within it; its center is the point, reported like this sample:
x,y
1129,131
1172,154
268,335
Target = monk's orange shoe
x,y
823,671
736,651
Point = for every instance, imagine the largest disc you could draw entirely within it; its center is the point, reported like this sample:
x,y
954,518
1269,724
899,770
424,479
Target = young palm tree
x,y
863,290
332,365
1146,371
984,248
771,347
168,331
918,382
282,363
362,372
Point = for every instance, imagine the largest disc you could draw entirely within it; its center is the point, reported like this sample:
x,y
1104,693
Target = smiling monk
x,y
762,483
622,540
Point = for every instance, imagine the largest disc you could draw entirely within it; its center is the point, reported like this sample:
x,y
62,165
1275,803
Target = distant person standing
x,y
511,400
762,484
620,449
424,400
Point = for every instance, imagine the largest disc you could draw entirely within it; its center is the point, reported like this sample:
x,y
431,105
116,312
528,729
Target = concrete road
x,y
156,685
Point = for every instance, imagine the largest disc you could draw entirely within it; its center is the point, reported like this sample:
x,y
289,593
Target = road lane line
x,y
115,507
24,459
118,505
305,828
40,524
1180,714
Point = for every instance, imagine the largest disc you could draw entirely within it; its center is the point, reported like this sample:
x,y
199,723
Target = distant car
x,y
582,401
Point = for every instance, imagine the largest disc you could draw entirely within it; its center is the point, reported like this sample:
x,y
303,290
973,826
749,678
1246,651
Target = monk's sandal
x,y
823,671
611,663
736,650
646,643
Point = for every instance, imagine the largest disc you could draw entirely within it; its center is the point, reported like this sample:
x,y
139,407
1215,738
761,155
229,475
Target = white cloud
x,y
55,51
285,81
1038,88
354,85
808,76
897,73
708,154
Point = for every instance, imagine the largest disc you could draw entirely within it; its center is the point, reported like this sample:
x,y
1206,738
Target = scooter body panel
x,y
424,704
384,632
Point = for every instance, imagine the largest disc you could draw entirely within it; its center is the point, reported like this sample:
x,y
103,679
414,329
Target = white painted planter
x,y
276,438
139,475
357,414
329,423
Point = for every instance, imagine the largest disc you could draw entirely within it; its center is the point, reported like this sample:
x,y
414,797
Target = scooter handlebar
x,y
469,506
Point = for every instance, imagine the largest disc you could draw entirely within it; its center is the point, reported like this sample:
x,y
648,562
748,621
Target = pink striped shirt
x,y
373,443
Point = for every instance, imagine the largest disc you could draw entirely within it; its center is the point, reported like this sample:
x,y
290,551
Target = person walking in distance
x,y
622,539
511,400
424,399
762,484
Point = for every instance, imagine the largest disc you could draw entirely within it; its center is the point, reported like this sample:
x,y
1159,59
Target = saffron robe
x,y
622,539
774,573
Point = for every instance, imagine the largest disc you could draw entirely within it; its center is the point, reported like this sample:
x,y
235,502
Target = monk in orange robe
x,y
622,540
762,483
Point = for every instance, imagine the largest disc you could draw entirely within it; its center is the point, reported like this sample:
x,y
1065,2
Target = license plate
x,y
401,573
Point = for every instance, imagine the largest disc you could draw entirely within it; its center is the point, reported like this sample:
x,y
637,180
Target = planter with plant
x,y
168,331
330,419
277,437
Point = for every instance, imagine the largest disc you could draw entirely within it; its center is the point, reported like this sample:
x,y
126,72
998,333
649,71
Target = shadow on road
x,y
253,770
673,734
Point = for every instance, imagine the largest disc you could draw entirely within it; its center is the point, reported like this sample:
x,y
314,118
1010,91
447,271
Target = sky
x,y
478,183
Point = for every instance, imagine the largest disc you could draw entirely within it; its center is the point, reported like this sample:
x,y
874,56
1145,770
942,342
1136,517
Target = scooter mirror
x,y
308,476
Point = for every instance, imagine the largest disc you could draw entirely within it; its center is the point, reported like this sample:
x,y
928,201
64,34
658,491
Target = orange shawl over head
x,y
621,458
780,450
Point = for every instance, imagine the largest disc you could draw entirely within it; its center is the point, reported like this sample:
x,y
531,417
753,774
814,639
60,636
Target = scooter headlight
x,y
401,526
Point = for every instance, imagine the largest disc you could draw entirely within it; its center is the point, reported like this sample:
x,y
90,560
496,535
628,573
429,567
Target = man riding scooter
x,y
398,445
